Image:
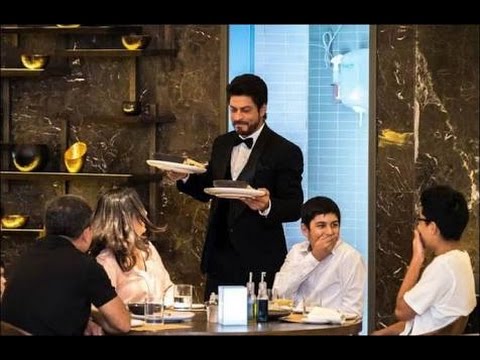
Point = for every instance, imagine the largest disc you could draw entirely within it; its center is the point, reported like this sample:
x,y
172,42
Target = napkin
x,y
160,327
323,315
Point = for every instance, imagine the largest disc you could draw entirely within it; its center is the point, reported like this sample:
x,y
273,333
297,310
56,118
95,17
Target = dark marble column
x,y
427,105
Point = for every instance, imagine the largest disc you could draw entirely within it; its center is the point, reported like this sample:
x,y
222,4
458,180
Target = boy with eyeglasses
x,y
445,291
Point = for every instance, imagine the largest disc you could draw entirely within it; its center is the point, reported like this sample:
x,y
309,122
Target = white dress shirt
x,y
241,153
336,282
239,158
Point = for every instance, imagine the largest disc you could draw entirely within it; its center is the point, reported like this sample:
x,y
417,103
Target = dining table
x,y
290,325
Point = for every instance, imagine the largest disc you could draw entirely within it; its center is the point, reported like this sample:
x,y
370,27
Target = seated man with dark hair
x,y
445,290
53,285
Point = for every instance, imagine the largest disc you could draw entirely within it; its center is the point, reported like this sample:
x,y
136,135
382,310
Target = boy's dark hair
x,y
319,205
447,208
249,85
67,215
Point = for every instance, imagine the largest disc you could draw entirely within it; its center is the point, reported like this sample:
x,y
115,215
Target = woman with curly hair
x,y
120,245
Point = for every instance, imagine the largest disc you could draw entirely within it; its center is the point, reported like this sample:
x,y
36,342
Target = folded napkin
x,y
159,327
323,315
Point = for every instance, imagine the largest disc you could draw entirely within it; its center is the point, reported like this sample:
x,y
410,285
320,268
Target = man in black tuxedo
x,y
247,234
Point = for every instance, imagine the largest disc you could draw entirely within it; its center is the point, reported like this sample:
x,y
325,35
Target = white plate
x,y
136,322
170,316
233,193
177,167
195,307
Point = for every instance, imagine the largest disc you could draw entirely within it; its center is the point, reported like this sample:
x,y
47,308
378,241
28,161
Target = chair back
x,y
9,329
457,327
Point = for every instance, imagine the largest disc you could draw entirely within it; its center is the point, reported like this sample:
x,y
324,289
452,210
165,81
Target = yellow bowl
x,y
14,221
74,156
135,42
29,157
35,61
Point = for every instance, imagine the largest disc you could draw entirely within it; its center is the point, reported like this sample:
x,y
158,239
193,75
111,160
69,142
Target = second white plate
x,y
233,193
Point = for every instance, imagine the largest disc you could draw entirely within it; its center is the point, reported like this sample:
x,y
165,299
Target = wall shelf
x,y
38,175
13,29
114,52
20,72
44,175
21,230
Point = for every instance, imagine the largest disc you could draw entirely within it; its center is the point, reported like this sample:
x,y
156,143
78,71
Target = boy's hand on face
x,y
323,246
418,247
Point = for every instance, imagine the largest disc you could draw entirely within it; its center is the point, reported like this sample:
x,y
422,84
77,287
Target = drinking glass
x,y
182,296
153,310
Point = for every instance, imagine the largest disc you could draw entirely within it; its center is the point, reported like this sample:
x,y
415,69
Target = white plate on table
x,y
177,167
171,316
136,322
233,193
195,307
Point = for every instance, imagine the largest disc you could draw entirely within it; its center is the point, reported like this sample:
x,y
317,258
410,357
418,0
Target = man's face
x,y
322,227
245,116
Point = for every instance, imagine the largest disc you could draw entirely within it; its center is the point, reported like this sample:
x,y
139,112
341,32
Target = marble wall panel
x,y
428,129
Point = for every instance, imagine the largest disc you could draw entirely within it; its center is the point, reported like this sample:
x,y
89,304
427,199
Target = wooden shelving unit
x,y
150,115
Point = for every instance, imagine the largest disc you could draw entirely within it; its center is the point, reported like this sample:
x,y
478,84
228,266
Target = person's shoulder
x,y
223,138
281,140
348,250
105,255
300,246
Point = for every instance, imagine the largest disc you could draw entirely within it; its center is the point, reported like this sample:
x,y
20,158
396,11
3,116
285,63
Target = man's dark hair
x,y
447,208
319,205
249,85
67,215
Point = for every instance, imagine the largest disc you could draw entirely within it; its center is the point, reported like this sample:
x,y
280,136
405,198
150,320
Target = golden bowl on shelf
x,y
75,156
29,157
34,61
131,107
14,221
135,42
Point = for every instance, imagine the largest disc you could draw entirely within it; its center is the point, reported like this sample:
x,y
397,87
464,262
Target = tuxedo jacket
x,y
274,163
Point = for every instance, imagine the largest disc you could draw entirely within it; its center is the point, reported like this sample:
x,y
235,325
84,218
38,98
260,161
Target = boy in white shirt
x,y
324,270
446,288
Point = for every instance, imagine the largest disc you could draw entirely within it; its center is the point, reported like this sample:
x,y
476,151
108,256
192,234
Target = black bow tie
x,y
238,140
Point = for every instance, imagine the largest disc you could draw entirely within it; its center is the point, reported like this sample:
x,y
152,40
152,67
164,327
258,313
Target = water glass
x,y
182,296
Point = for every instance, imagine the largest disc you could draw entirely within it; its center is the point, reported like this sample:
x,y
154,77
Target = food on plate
x,y
192,162
231,184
